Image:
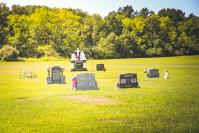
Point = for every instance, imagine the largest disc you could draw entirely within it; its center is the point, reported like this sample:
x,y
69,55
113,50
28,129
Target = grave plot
x,y
96,100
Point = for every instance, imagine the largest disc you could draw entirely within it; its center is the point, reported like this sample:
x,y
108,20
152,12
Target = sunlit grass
x,y
159,105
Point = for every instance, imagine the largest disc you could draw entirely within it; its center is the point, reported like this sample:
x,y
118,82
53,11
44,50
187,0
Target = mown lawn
x,y
159,105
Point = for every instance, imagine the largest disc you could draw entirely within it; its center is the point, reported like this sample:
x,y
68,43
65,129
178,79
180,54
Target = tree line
x,y
29,31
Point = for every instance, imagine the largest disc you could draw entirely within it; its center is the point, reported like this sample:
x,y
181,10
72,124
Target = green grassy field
x,y
159,105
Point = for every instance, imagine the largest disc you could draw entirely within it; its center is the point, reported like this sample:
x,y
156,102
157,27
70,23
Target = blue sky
x,y
102,7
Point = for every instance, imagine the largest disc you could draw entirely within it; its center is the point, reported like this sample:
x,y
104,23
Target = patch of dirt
x,y
94,100
21,97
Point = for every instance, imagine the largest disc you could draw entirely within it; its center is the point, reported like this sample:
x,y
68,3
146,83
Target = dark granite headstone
x,y
153,73
78,65
127,80
100,67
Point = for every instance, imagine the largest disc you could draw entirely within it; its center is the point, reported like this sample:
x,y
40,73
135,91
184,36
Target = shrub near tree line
x,y
47,51
8,53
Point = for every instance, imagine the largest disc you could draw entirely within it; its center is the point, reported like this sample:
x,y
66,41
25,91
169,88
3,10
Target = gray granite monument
x,y
55,75
86,81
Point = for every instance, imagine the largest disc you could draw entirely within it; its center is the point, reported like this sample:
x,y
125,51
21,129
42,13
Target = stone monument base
x,y
61,81
75,69
78,66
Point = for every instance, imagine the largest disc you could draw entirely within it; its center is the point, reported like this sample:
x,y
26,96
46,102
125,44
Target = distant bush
x,y
8,53
47,51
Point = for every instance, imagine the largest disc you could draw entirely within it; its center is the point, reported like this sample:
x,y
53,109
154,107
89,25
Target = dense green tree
x,y
65,27
43,31
191,27
19,36
167,35
20,10
4,12
94,22
127,11
78,12
175,15
127,46
24,10
112,24
46,50
40,27
106,47
144,12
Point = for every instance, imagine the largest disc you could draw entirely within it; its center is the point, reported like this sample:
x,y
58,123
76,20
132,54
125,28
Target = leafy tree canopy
x,y
43,31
